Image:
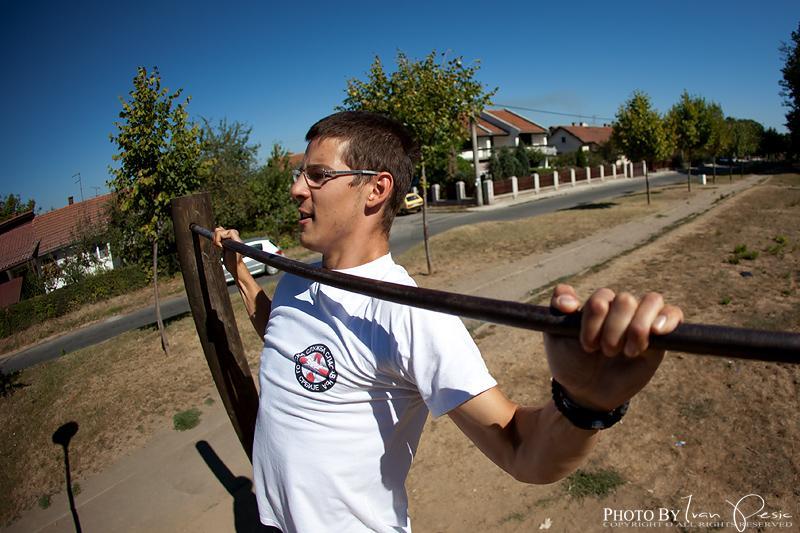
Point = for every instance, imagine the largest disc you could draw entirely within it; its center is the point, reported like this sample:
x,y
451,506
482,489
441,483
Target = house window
x,y
563,139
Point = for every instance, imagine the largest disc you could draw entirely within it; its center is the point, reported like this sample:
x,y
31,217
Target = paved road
x,y
406,232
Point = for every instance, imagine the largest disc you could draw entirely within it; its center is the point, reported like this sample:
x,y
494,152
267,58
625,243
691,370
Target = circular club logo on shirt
x,y
315,368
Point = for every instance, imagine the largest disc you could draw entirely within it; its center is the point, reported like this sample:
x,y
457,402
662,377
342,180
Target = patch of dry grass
x,y
501,242
120,393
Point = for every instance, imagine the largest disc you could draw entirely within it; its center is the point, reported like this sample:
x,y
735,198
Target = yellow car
x,y
411,203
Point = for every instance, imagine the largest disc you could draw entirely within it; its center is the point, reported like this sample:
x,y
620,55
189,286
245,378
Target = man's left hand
x,y
611,361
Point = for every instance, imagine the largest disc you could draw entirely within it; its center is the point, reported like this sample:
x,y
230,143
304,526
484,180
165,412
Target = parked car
x,y
257,267
411,203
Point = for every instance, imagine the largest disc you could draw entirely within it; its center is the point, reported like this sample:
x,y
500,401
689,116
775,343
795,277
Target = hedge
x,y
61,301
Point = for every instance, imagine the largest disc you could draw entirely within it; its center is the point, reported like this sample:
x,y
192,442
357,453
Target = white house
x,y
565,139
501,127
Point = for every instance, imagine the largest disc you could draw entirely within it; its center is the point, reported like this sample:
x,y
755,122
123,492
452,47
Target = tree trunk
x,y
647,185
161,331
424,184
689,173
715,169
730,169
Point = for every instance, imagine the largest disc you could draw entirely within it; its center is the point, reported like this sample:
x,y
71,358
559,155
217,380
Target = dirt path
x,y
168,485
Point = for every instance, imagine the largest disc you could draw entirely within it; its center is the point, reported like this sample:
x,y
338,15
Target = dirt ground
x,y
712,428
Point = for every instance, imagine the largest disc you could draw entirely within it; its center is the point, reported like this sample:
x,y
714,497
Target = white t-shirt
x,y
346,385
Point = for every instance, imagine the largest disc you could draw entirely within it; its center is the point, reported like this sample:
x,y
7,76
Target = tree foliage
x,y
158,160
745,137
228,163
273,211
434,97
639,131
774,144
689,125
12,205
790,88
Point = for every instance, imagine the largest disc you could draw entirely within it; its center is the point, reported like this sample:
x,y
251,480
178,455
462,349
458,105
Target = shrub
x,y
61,301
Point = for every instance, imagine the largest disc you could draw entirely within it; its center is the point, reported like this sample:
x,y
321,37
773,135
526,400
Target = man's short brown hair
x,y
373,142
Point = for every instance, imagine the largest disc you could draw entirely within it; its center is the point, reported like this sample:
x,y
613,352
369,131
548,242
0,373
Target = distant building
x,y
565,139
34,242
497,128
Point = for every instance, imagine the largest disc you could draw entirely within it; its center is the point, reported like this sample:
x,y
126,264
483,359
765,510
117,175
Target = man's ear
x,y
380,190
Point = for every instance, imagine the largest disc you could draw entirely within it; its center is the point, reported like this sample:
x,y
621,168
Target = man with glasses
x,y
347,381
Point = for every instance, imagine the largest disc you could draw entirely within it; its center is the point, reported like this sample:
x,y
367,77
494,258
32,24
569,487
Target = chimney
x,y
70,200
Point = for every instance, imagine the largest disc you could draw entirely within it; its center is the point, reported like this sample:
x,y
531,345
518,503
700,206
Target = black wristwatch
x,y
582,417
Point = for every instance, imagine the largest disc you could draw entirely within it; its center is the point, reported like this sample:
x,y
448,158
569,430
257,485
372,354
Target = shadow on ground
x,y
245,508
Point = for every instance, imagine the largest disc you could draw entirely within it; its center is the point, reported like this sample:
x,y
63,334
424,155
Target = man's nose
x,y
299,188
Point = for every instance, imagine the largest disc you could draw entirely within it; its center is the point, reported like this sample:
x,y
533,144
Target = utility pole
x,y
79,182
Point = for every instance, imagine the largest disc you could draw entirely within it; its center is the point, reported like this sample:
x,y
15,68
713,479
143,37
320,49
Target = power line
x,y
594,117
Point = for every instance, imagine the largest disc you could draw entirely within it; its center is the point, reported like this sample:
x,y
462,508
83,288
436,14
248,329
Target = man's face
x,y
329,213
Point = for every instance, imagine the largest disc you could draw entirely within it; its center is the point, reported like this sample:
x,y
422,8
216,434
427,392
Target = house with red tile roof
x,y
30,242
581,136
497,128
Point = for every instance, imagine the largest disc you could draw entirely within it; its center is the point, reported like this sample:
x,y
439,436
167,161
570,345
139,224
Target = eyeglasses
x,y
319,176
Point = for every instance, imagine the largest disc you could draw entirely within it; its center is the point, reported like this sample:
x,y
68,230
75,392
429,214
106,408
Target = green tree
x,y
774,144
580,158
12,205
790,89
522,155
274,212
434,98
228,164
158,156
639,131
719,134
688,123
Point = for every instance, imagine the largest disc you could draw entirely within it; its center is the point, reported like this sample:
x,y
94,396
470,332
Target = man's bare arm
x,y
534,445
256,302
608,364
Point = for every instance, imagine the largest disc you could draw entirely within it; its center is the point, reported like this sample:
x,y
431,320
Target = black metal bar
x,y
724,341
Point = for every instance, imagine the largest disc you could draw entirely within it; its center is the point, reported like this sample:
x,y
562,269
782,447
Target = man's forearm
x,y
255,300
548,447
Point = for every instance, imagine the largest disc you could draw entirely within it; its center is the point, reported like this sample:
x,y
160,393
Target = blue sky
x,y
280,66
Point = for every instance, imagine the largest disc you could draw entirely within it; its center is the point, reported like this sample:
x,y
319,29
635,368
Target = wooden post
x,y
213,315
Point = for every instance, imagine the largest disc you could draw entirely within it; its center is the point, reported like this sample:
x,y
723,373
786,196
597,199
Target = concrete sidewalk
x,y
199,480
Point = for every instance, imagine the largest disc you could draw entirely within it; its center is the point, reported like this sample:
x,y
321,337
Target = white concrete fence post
x,y
436,189
514,187
536,182
488,192
588,171
602,171
572,176
630,174
555,179
702,179
614,170
414,190
644,168
624,170
461,191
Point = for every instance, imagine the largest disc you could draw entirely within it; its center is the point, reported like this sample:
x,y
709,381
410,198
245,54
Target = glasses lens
x,y
315,175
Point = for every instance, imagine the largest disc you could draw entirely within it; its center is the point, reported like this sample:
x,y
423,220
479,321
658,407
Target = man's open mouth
x,y
304,216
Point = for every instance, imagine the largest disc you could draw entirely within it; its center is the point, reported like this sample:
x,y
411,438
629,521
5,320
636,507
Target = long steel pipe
x,y
723,341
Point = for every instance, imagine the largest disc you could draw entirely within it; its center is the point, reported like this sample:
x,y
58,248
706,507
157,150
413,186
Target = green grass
x,y
186,419
741,252
725,300
599,483
44,501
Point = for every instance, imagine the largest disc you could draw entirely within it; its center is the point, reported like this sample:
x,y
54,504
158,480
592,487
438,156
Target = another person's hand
x,y
611,360
232,260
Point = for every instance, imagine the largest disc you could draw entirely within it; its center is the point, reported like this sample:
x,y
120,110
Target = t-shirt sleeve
x,y
443,361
